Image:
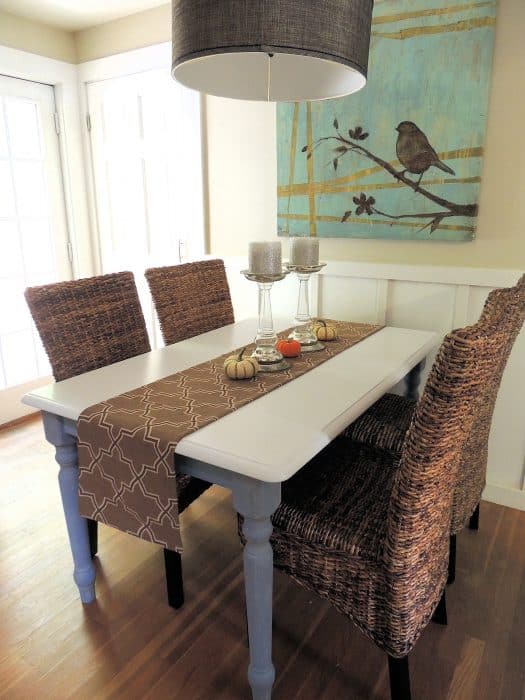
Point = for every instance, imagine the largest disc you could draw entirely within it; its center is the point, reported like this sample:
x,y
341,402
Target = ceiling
x,y
76,14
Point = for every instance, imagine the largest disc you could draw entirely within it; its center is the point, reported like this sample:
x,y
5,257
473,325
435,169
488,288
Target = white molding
x,y
127,63
64,79
382,291
504,496
90,179
461,302
463,276
313,293
32,66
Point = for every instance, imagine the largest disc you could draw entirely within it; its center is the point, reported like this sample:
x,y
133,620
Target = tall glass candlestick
x,y
266,354
304,332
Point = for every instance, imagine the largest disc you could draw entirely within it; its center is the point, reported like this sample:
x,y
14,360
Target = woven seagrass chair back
x,y
190,299
418,521
89,323
504,309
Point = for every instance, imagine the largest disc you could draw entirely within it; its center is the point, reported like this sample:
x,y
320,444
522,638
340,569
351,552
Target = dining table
x,y
250,451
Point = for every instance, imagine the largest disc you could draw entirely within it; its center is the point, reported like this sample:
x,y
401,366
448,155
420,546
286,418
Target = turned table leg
x,y
77,527
256,502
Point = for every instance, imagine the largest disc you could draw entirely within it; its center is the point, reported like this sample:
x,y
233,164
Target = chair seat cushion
x,y
385,423
189,488
339,500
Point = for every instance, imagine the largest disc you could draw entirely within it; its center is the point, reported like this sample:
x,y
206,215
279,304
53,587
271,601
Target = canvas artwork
x,y
402,158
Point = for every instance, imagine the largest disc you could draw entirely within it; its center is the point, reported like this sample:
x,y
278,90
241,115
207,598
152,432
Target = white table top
x,y
273,437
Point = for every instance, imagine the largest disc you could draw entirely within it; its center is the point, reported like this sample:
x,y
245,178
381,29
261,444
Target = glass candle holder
x,y
303,331
266,354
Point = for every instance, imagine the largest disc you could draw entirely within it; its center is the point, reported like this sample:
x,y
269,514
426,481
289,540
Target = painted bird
x,y
415,153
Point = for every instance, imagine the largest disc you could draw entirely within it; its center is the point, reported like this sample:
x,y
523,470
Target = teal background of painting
x,y
439,81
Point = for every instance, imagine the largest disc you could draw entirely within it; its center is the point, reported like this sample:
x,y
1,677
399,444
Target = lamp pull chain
x,y
270,56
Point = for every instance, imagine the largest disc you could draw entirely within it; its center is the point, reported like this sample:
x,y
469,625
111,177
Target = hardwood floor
x,y
130,644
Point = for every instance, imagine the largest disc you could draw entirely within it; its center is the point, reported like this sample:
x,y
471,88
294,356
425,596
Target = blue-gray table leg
x,y
256,501
412,381
66,456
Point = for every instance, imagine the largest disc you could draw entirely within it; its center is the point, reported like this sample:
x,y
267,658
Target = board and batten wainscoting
x,y
421,297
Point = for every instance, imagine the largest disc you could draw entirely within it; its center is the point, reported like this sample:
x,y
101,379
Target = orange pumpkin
x,y
288,347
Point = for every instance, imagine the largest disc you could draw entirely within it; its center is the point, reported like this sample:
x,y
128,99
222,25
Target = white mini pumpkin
x,y
239,367
325,331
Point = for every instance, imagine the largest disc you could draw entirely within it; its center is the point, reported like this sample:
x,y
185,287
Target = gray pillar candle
x,y
265,258
304,252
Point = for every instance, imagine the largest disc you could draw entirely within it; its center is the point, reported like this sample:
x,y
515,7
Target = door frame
x,y
117,66
63,77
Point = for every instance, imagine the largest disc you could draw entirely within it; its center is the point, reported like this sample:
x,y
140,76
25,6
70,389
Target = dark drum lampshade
x,y
275,50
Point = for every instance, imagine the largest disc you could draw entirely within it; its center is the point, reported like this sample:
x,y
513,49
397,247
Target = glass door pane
x,y
33,233
147,165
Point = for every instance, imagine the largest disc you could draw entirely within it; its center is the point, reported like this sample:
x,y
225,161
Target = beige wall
x,y
26,35
133,32
243,177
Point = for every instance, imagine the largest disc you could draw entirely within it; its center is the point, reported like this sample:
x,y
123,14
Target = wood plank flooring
x,y
130,644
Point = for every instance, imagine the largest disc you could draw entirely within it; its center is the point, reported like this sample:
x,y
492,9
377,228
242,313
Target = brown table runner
x,y
126,445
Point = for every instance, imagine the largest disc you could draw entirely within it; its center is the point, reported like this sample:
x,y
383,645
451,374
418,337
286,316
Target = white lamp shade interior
x,y
286,77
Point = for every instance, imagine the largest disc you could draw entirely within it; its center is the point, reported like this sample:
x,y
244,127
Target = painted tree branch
x,y
435,217
453,209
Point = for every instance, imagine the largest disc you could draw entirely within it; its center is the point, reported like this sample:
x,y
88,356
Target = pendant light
x,y
274,50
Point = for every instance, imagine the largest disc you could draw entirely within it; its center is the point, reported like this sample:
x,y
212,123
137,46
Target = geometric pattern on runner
x,y
126,445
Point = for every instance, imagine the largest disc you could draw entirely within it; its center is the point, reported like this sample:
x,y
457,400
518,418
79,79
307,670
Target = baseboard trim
x,y
29,418
505,496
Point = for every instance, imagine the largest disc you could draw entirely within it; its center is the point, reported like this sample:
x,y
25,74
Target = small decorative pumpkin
x,y
239,367
325,331
288,347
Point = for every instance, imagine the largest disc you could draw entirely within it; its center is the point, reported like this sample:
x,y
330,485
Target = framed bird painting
x,y
402,158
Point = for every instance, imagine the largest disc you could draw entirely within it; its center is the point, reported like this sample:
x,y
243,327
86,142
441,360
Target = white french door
x,y
33,231
145,134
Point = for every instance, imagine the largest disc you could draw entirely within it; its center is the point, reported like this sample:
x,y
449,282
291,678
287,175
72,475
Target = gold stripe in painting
x,y
310,170
303,189
293,149
464,25
384,222
432,12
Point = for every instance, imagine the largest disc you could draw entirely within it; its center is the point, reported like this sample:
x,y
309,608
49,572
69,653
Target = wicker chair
x,y
190,299
385,424
369,532
91,323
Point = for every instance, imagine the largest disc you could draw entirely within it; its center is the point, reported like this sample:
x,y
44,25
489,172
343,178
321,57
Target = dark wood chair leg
x,y
440,613
399,678
474,519
452,561
174,584
93,537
